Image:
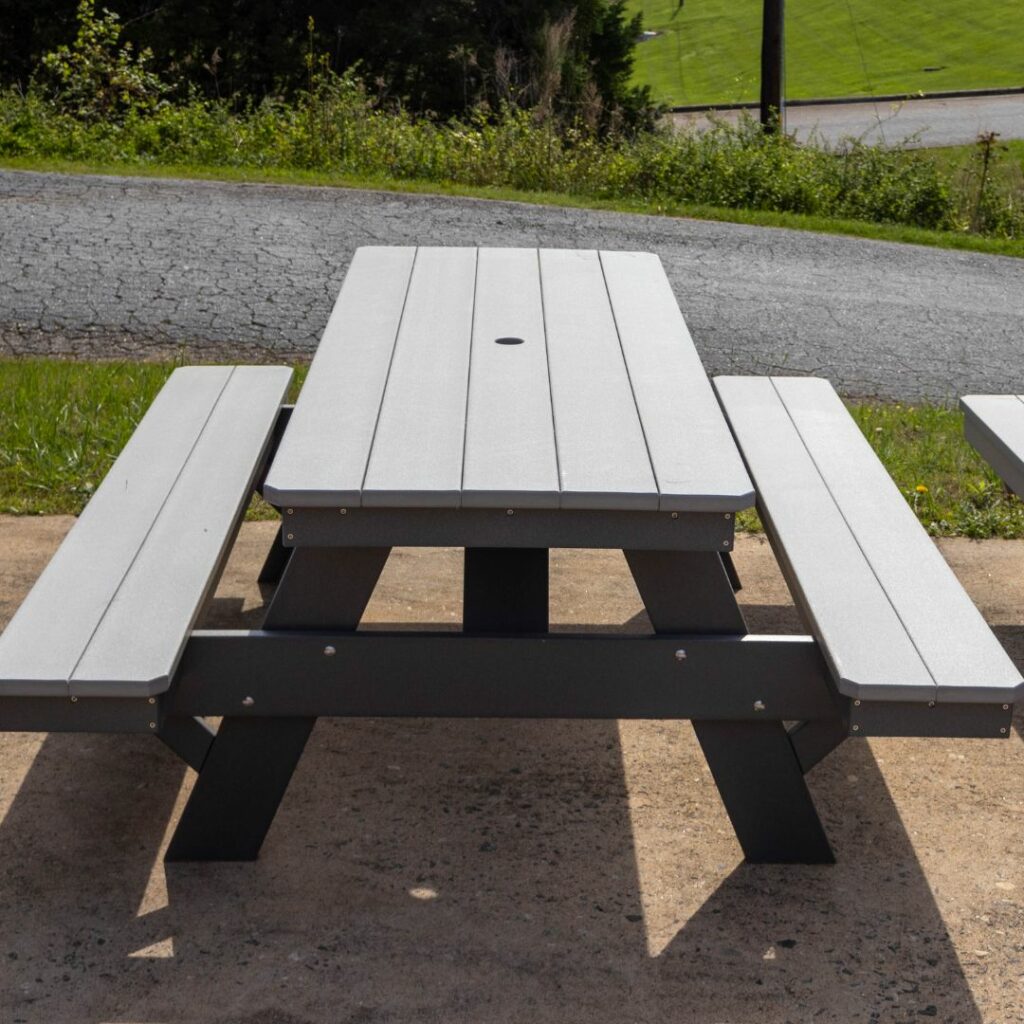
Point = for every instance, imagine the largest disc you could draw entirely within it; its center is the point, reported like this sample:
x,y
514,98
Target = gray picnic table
x,y
503,401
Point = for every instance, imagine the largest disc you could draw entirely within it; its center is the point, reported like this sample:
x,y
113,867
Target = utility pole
x,y
772,99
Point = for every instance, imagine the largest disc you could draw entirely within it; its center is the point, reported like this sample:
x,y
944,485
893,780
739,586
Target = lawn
x,y
709,50
63,423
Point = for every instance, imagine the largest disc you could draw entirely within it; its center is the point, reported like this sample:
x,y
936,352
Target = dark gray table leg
x,y
754,764
505,590
251,761
276,560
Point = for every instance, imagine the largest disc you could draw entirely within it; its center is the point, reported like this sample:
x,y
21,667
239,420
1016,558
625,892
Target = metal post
x,y
773,113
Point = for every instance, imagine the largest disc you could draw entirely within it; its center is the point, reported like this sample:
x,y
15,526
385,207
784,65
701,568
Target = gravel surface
x,y
100,267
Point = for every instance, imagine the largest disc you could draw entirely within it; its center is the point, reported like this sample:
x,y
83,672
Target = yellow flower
x,y
921,489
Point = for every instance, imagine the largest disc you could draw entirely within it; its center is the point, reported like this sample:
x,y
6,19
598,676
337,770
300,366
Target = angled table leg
x,y
754,764
247,770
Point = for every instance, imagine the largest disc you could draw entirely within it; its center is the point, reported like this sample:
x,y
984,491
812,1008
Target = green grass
x,y
63,423
695,211
709,52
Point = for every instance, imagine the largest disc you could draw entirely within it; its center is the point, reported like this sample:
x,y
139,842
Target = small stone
x,y
634,917
487,847
929,1011
786,943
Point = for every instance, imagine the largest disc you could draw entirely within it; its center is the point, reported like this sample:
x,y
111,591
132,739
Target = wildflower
x,y
921,489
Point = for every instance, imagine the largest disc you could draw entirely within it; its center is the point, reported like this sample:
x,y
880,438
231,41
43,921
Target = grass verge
x,y
63,423
958,240
709,52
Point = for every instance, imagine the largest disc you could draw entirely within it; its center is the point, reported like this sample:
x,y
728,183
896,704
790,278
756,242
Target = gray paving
x,y
954,121
118,267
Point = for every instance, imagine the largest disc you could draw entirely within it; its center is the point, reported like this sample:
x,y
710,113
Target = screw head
x,y
343,511
728,515
510,511
680,655
931,703
856,728
329,651
152,725
725,543
1002,730
759,705
290,511
152,700
1006,707
74,700
675,515
856,703
248,702
291,536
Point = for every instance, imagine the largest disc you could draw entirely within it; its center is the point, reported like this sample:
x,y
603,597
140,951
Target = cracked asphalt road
x,y
99,267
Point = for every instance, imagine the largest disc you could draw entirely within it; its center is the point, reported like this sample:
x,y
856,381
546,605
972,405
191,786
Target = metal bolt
x,y
152,725
74,700
680,655
1006,707
931,703
343,511
152,700
329,651
856,728
248,702
675,515
1002,730
725,543
291,511
510,511
759,705
291,536
728,515
856,703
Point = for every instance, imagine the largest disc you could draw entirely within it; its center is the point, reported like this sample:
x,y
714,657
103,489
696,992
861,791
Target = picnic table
x,y
506,402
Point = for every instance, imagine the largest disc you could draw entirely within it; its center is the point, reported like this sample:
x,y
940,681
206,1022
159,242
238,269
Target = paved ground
x,y
131,267
927,122
443,872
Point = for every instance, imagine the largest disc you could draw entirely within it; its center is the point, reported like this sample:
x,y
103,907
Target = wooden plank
x,y
994,424
696,463
863,639
416,457
136,645
602,456
323,455
44,641
510,441
963,656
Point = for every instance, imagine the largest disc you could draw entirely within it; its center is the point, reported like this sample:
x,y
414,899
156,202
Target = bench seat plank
x,y
994,425
894,621
111,612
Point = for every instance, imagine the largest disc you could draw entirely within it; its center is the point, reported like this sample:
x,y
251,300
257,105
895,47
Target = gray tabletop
x,y
520,378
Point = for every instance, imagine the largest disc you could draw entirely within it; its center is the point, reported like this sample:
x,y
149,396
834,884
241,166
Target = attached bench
x,y
994,424
898,632
110,615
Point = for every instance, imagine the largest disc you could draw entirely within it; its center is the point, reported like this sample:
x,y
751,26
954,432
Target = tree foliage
x,y
444,56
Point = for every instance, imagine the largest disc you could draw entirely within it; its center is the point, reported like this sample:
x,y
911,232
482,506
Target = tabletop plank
x,y
602,456
510,439
416,457
696,464
323,455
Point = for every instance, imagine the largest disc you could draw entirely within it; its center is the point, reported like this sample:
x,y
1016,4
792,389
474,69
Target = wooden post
x,y
772,99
